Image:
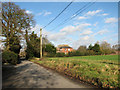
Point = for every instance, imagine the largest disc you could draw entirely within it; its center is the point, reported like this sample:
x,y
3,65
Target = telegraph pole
x,y
40,43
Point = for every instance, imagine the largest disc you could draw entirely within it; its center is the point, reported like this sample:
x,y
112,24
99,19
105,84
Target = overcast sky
x,y
97,23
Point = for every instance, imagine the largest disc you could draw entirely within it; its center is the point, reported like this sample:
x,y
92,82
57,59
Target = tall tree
x,y
82,48
116,47
50,48
33,46
96,48
14,21
15,44
105,47
90,47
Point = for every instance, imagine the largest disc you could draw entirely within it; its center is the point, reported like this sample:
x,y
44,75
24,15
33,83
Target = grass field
x,y
98,70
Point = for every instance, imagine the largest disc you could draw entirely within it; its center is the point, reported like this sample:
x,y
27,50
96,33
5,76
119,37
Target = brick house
x,y
64,49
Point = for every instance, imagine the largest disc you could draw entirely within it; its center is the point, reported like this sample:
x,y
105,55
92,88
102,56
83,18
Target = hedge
x,y
9,57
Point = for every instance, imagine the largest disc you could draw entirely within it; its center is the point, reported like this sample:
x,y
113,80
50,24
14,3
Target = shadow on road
x,y
25,75
31,75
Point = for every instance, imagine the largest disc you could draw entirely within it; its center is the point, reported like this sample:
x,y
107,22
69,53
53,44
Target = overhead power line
x,y
59,14
75,14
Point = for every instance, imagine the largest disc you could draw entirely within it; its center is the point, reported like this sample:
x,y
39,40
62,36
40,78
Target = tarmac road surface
x,y
30,75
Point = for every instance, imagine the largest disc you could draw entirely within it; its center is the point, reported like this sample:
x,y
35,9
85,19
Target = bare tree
x,y
14,21
105,47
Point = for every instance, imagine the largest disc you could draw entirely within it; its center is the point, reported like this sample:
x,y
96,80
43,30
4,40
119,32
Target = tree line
x,y
15,25
103,48
33,46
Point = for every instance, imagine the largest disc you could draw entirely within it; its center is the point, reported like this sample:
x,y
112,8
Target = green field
x,y
98,70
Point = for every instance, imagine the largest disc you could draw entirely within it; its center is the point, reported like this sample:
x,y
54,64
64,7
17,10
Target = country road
x,y
31,75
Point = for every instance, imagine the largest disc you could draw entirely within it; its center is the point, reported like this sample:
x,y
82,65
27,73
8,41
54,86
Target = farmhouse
x,y
64,49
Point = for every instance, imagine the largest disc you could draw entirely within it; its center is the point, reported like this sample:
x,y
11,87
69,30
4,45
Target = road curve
x,y
30,75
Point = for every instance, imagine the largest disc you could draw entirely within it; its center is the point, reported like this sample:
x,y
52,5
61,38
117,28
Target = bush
x,y
98,53
107,51
36,52
29,51
60,55
15,48
90,52
70,54
50,48
9,57
50,55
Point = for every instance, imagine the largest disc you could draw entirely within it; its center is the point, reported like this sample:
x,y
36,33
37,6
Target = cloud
x,y
39,14
111,36
105,14
36,29
71,29
51,36
73,15
44,13
63,36
81,17
89,38
92,13
110,20
60,36
47,13
86,40
28,11
95,24
86,32
74,35
101,32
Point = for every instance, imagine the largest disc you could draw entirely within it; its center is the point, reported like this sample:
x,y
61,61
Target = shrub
x,y
76,53
70,54
36,52
15,48
29,51
50,48
60,54
9,57
91,52
50,55
98,53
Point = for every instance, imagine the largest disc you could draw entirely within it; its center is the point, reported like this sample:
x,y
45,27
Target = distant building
x,y
64,49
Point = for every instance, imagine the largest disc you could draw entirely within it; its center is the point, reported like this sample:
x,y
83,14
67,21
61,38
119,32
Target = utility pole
x,y
40,43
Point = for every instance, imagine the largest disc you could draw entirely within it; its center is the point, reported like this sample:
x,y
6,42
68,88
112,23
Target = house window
x,y
65,49
68,49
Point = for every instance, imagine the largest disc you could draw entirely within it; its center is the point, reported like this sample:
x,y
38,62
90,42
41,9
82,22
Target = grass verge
x,y
101,71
